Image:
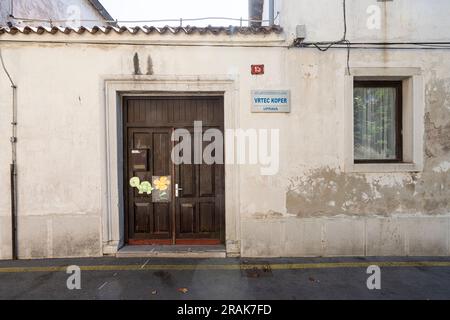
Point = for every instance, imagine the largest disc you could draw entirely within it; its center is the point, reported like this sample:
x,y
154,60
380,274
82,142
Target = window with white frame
x,y
384,120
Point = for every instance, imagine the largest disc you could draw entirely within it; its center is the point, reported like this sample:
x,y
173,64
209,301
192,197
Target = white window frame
x,y
413,118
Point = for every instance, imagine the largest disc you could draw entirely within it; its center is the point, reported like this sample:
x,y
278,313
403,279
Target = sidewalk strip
x,y
192,267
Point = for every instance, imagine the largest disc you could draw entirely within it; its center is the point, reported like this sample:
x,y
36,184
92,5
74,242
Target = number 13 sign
x,y
257,69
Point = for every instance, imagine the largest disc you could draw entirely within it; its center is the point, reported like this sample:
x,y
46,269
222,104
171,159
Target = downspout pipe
x,y
271,12
255,12
13,165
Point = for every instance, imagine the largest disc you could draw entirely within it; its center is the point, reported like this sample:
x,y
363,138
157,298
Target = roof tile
x,y
145,29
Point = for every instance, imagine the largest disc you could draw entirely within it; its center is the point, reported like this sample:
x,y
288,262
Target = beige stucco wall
x,y
400,20
311,208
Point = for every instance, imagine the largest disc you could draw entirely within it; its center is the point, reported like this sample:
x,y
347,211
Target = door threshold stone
x,y
172,251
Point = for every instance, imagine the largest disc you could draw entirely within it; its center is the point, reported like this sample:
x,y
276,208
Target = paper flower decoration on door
x,y
143,187
161,184
162,192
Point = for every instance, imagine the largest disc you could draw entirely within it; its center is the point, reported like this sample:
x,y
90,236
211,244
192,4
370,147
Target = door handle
x,y
177,189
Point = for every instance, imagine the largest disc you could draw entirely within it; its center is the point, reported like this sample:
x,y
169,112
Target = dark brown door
x,y
200,202
195,213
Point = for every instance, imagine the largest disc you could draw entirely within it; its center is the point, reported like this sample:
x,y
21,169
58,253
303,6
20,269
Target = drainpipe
x,y
255,12
11,9
13,165
271,12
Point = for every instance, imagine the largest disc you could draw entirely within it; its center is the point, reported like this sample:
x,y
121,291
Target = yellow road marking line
x,y
275,266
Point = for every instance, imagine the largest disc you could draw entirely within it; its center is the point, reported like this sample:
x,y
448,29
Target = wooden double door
x,y
193,210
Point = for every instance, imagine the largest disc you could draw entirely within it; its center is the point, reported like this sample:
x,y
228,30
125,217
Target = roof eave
x,y
145,30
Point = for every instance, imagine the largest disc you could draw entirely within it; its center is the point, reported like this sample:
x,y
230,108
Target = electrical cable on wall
x,y
13,166
320,45
346,44
13,85
367,46
343,43
323,46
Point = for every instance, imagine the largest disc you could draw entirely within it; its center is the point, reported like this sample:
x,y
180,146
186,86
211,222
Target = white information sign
x,y
271,101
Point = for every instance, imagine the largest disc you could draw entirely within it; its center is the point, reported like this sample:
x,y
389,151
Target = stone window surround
x,y
115,87
413,118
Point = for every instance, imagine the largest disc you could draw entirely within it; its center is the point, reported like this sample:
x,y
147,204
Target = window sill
x,y
383,167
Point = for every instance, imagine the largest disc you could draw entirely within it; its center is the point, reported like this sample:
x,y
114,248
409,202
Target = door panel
x,y
147,220
206,180
187,176
197,215
161,152
162,218
187,218
199,209
142,214
206,217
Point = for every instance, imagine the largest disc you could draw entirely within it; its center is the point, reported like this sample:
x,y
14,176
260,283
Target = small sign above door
x,y
271,101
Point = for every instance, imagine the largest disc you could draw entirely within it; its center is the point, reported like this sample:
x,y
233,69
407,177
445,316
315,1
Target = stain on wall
x,y
437,119
149,65
137,68
75,246
330,192
137,65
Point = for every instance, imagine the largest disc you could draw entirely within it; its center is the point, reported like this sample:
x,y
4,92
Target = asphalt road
x,y
226,279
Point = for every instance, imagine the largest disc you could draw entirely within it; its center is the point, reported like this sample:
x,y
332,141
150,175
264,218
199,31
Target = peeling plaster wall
x,y
60,102
331,212
310,208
